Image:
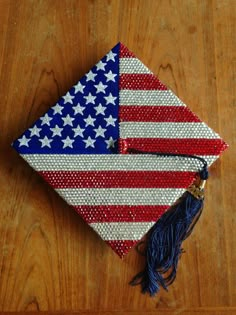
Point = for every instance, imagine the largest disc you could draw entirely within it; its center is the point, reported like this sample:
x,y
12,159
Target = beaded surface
x,y
80,147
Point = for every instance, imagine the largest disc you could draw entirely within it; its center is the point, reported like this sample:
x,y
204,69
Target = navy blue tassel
x,y
164,240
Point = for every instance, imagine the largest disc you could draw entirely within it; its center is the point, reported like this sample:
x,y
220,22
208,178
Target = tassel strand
x,y
164,240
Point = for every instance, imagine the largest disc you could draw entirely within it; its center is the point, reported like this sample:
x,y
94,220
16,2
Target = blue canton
x,y
85,120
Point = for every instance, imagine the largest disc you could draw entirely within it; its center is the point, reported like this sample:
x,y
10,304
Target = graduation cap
x,y
121,148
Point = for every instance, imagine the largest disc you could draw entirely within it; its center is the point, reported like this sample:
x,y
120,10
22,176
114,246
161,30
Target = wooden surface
x,y
49,259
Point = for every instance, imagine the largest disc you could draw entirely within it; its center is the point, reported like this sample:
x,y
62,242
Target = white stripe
x,y
120,196
132,65
149,97
166,130
116,162
112,231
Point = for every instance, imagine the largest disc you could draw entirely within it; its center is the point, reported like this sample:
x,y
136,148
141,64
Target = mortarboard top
x,y
81,148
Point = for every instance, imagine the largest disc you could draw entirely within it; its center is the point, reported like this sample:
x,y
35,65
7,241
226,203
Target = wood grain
x,y
199,311
50,260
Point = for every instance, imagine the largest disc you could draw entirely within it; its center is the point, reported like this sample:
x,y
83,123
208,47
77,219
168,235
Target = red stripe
x,y
182,146
122,247
136,81
125,52
122,179
112,213
157,114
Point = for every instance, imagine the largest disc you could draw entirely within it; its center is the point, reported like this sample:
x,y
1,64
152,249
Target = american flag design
x,y
80,147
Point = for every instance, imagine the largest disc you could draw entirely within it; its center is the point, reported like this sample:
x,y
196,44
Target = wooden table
x,y
50,260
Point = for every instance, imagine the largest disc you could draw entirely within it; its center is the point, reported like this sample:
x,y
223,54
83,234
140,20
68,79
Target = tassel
x,y
165,238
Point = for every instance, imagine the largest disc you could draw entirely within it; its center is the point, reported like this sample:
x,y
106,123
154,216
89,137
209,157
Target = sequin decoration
x,y
80,147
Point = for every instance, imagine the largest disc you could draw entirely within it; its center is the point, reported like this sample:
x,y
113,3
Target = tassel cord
x,y
164,240
203,171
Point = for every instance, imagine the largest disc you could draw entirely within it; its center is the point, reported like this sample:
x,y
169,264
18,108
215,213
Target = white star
x,y
90,99
90,76
110,121
46,120
68,120
89,121
99,132
45,142
56,131
68,142
57,109
68,98
101,65
78,131
110,76
35,131
100,87
110,99
79,88
111,56
78,109
24,141
89,142
100,109
110,143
